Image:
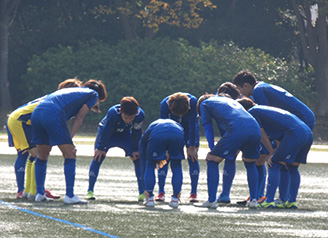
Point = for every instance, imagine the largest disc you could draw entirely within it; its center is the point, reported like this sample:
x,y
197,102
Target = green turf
x,y
117,212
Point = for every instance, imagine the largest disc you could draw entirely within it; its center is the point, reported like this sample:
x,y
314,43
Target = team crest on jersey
x,y
288,157
226,152
155,154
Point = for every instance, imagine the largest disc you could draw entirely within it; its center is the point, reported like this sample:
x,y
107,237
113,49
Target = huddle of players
x,y
278,119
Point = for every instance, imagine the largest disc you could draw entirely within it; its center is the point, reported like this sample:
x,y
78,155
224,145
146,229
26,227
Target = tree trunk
x,y
4,82
321,78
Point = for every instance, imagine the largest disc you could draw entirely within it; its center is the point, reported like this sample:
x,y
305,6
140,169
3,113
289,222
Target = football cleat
x,y
42,198
212,205
266,204
243,202
141,197
193,198
90,196
21,195
252,204
149,202
174,202
49,195
160,197
74,200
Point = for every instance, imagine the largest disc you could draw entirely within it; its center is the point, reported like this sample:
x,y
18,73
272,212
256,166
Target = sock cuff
x,y
69,161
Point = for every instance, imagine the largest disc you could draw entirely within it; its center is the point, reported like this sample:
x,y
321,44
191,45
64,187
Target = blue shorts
x,y
122,140
166,142
294,147
263,149
49,129
232,141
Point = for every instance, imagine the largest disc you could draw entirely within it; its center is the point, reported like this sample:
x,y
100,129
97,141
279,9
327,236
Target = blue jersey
x,y
241,131
294,135
277,122
228,114
189,121
161,136
271,95
67,102
113,123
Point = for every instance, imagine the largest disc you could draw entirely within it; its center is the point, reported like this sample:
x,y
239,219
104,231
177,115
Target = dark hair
x,y
202,99
247,103
179,103
244,76
99,87
70,83
129,106
229,88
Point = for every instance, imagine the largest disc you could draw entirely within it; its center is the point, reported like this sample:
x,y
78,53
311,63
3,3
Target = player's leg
x,y
229,171
194,175
20,164
273,181
93,174
41,168
161,176
149,182
284,184
252,178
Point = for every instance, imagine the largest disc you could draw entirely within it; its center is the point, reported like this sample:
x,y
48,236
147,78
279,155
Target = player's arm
x,y
164,114
267,144
79,119
192,151
209,134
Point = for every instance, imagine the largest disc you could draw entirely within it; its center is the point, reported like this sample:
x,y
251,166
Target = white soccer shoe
x,y
42,198
74,200
149,202
212,205
252,204
30,197
174,202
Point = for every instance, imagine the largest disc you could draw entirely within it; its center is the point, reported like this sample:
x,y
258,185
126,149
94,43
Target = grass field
x,y
117,213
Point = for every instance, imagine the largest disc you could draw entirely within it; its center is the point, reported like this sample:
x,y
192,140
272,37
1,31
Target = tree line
x,y
291,32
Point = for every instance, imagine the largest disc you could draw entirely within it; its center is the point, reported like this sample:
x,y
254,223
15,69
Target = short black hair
x,y
229,88
98,86
244,76
247,103
129,105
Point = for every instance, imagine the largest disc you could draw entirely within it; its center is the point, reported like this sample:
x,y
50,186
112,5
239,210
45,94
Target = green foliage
x,y
150,70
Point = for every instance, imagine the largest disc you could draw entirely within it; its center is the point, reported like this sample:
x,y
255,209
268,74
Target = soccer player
x,y
272,95
229,168
121,127
162,141
240,132
181,107
295,139
19,130
50,128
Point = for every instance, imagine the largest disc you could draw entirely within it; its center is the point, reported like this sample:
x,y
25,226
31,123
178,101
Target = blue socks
x,y
69,171
194,175
212,180
40,172
284,184
295,180
20,164
273,181
261,170
252,178
149,177
229,171
176,176
161,174
137,169
93,172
